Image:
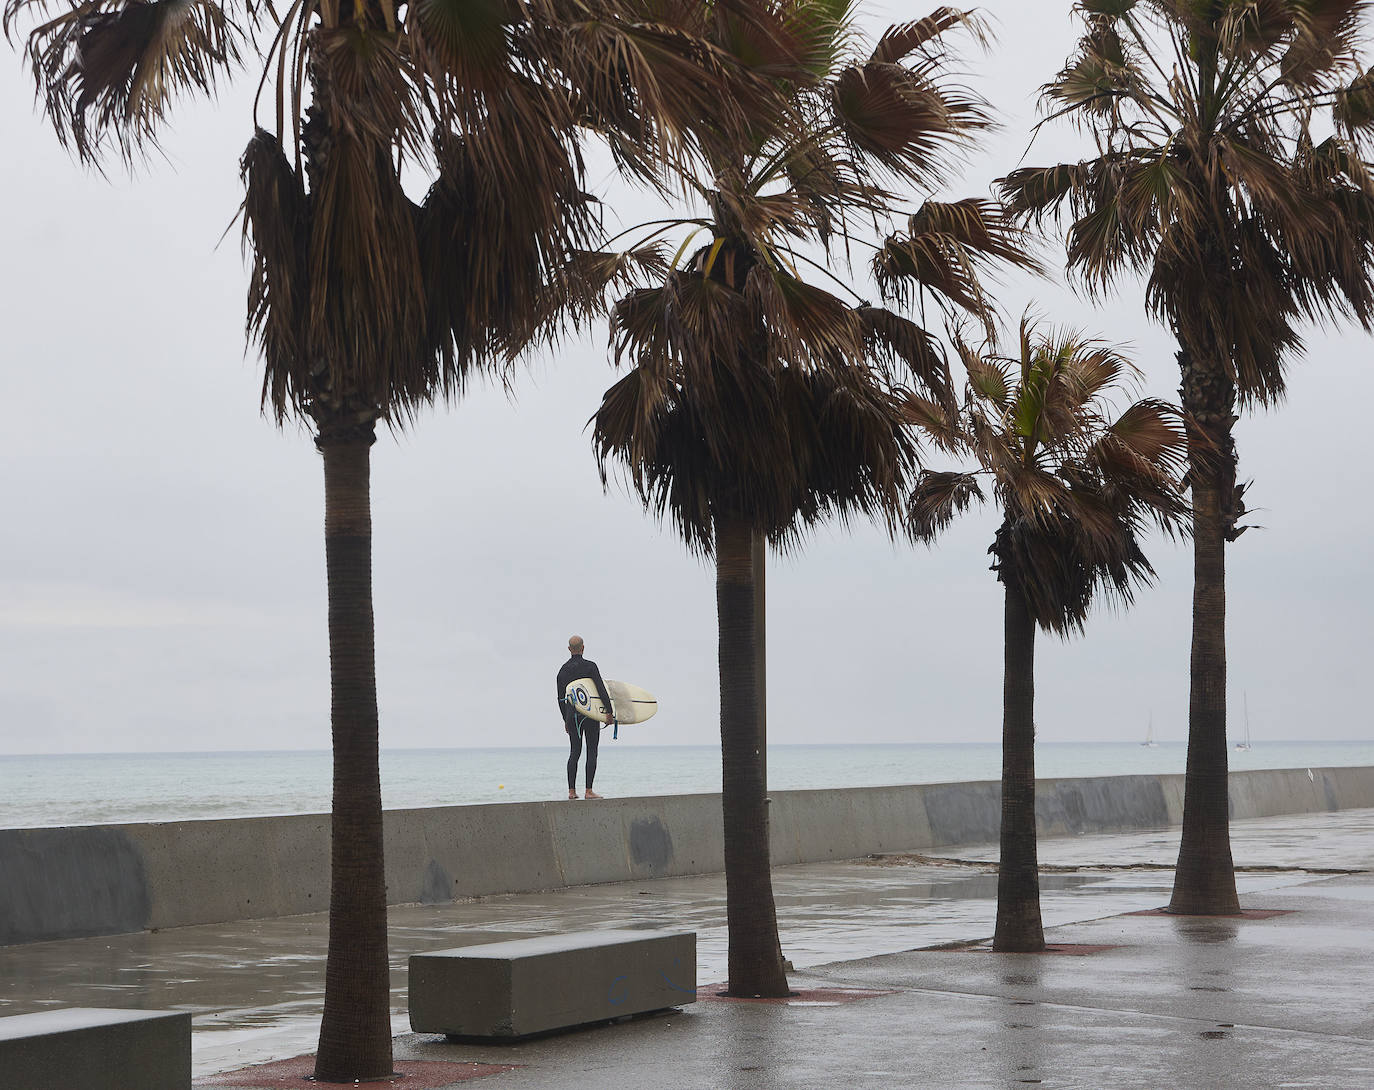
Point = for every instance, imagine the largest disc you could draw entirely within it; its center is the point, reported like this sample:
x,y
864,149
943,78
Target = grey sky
x,y
161,556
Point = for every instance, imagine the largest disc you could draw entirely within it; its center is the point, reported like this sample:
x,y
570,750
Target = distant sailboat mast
x,y
1150,733
1244,743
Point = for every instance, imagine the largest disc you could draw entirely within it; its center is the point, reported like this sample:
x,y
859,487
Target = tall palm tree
x,y
758,403
1215,177
1075,490
368,306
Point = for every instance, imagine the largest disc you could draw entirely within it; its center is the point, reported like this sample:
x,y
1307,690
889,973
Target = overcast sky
x,y
161,551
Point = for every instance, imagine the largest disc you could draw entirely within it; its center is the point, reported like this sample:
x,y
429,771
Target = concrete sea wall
x,y
58,883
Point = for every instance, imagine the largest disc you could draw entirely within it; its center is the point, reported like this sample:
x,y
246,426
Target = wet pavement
x,y
1164,1002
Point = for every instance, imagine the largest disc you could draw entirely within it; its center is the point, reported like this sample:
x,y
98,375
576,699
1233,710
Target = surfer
x,y
576,725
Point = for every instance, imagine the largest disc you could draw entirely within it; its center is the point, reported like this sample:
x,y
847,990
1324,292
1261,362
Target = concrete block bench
x,y
508,990
90,1048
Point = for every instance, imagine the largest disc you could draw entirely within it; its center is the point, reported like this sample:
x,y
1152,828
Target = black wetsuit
x,y
579,725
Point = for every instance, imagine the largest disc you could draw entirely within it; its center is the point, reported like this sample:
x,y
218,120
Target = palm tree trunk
x,y
355,1033
1205,880
755,957
1019,927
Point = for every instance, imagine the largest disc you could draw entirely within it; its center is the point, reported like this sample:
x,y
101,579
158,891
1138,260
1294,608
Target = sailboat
x,y
1150,733
1244,743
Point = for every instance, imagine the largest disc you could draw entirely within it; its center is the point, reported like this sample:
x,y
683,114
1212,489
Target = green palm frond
x,y
990,379
1075,488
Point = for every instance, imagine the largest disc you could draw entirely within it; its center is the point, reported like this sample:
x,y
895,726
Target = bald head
x,y
575,645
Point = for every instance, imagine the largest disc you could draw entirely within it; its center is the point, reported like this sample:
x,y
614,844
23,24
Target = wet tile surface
x,y
254,988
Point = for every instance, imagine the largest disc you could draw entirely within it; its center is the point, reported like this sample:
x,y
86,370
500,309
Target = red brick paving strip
x,y
294,1074
1244,914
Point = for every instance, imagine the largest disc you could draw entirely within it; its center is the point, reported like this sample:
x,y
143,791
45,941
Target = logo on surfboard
x,y
630,703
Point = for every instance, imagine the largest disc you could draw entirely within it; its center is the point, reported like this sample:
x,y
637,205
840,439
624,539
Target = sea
x,y
104,788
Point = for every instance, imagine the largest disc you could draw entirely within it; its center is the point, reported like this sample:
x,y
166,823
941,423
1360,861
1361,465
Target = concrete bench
x,y
507,990
90,1048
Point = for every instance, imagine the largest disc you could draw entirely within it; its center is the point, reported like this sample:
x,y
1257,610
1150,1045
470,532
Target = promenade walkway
x,y
1136,1000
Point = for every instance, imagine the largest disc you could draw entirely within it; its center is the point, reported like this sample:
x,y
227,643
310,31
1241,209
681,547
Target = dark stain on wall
x,y
964,813
70,883
438,885
651,845
1100,805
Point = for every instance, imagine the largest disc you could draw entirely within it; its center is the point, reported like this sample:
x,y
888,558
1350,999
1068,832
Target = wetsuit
x,y
578,725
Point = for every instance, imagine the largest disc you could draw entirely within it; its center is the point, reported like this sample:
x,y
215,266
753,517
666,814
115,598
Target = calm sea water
x,y
83,789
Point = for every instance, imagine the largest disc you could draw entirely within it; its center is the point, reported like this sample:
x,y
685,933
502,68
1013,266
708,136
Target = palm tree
x,y
758,403
1075,491
368,306
1213,177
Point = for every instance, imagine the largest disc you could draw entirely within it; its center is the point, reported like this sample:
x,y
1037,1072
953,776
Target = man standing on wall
x,y
578,726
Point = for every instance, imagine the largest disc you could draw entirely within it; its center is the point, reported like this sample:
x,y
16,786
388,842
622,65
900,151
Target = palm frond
x,y
937,500
1075,490
1035,191
947,251
276,228
903,122
108,70
1207,179
807,326
990,379
891,340
934,421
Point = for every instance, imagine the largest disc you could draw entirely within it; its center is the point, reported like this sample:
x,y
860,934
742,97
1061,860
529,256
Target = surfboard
x,y
632,704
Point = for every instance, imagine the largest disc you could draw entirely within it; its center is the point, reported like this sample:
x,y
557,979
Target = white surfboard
x,y
632,704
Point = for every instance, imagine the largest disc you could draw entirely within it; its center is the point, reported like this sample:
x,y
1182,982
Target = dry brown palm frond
x,y
1038,191
675,91
937,500
367,76
578,290
1208,180
1353,110
807,327
947,250
902,122
935,421
275,232
756,394
903,39
1090,369
463,46
891,340
111,68
989,378
782,450
1322,39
